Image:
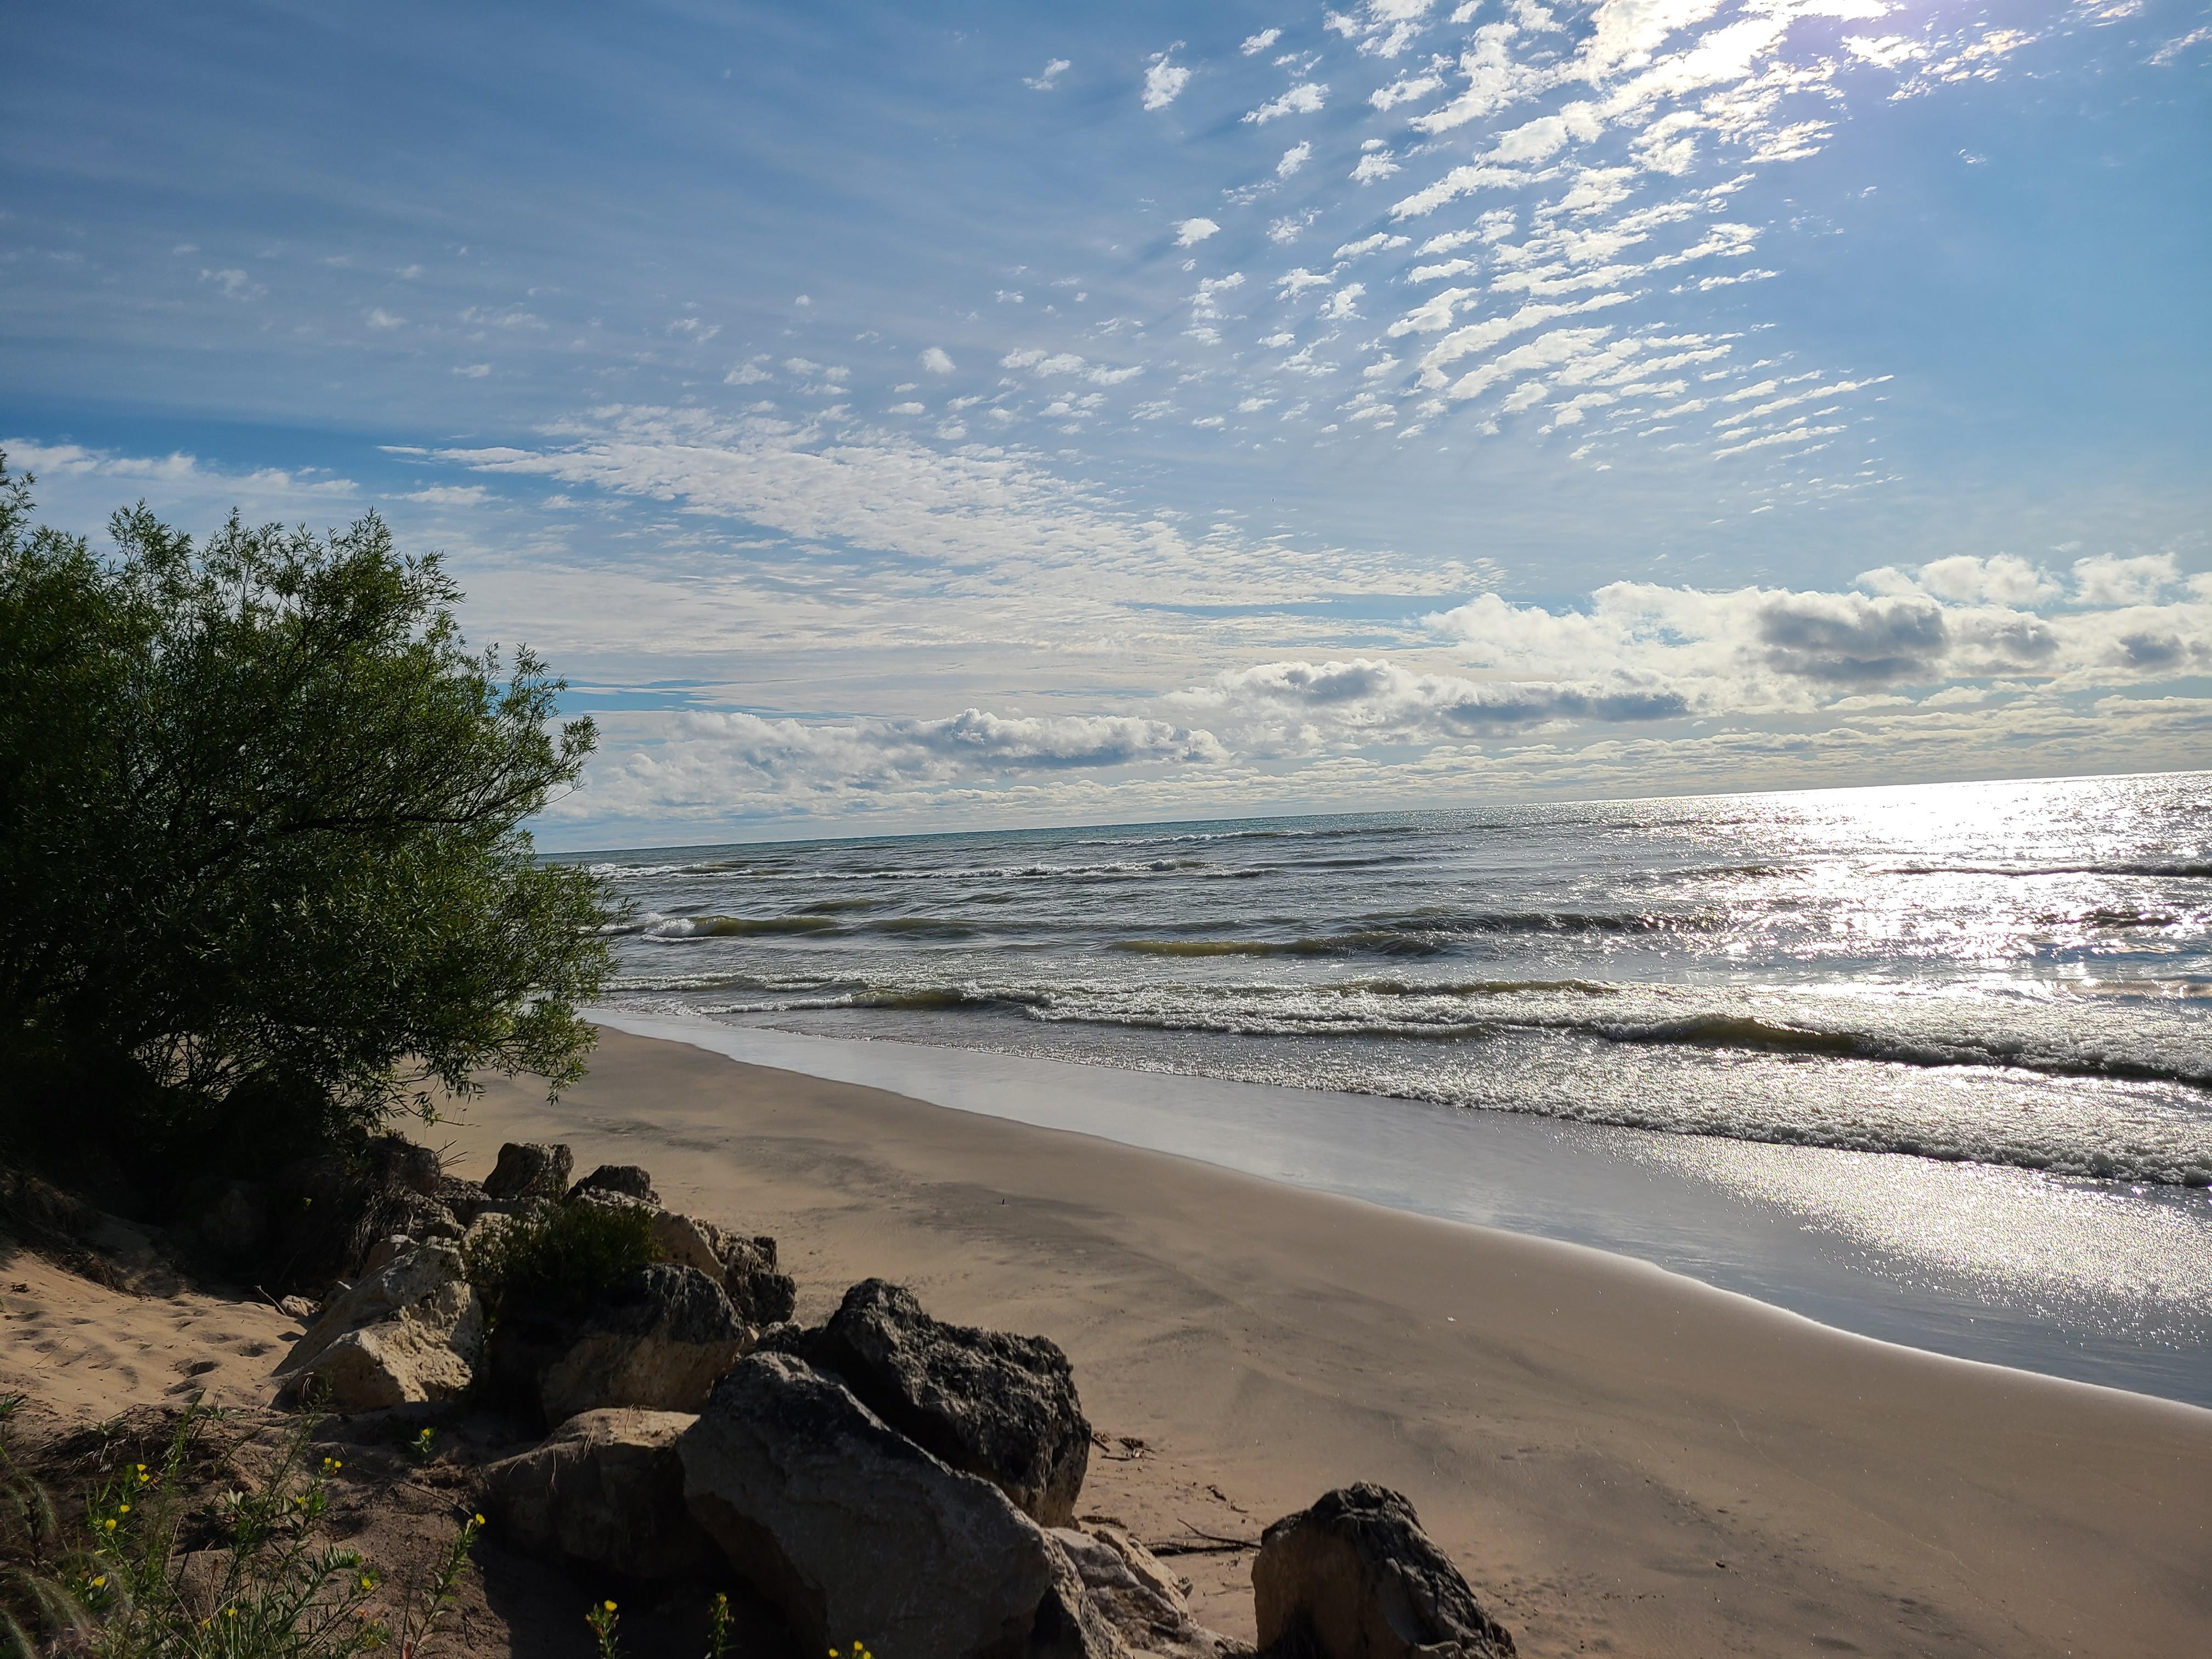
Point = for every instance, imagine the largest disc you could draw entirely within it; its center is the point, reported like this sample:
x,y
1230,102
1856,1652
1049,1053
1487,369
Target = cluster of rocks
x,y
884,1474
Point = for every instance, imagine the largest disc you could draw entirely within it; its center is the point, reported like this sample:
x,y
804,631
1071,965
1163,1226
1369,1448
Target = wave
x,y
2160,869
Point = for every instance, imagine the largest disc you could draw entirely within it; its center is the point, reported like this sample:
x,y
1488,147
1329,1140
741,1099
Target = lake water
x,y
1803,999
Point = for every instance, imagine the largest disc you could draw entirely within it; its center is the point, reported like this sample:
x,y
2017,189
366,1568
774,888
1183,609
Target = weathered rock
x,y
854,1530
1001,1407
464,1200
1138,1598
410,1332
760,1294
396,1161
660,1340
531,1169
400,1212
628,1179
298,1307
1355,1577
606,1491
382,1254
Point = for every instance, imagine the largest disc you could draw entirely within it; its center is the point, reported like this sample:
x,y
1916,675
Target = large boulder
x,y
852,1530
1355,1577
531,1169
659,1339
628,1179
1140,1601
606,1492
1001,1407
410,1332
395,1161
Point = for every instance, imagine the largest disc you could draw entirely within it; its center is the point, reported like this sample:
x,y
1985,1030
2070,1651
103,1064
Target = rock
x,y
761,1295
607,1491
382,1254
530,1169
400,1212
661,1340
395,1162
1355,1577
852,1530
1138,1598
628,1179
464,1201
1001,1407
296,1307
408,1332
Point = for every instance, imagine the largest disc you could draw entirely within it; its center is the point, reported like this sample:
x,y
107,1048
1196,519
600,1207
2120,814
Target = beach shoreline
x,y
2095,1281
1622,1458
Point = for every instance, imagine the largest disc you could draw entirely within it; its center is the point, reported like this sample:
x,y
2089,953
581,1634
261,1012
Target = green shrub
x,y
560,1258
262,877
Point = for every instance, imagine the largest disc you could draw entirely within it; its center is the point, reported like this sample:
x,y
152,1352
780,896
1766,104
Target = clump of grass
x,y
559,1260
114,1585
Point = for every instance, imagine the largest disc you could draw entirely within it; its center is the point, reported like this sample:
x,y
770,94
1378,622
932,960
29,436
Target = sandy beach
x,y
1621,1459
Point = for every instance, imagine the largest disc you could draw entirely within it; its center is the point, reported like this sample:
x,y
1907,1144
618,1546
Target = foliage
x,y
559,1259
260,868
605,1622
115,1585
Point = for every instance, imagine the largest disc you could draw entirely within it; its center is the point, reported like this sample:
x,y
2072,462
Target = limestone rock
x,y
760,1294
606,1491
628,1179
1355,1577
1001,1407
397,1161
854,1530
410,1332
531,1169
660,1340
1138,1598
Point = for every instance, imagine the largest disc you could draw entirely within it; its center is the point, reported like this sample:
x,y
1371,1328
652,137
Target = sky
x,y
897,418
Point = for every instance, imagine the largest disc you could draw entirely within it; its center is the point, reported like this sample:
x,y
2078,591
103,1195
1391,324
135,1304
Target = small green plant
x,y
114,1586
718,1627
604,1619
424,1444
560,1259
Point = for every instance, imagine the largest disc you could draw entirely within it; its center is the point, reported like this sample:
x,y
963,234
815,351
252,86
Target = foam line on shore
x,y
2047,1305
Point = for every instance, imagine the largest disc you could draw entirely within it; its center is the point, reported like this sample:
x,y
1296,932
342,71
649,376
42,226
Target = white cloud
x,y
1293,158
235,284
472,371
1380,242
1303,99
1189,233
935,360
379,317
450,495
1163,81
1048,77
2108,579
1255,43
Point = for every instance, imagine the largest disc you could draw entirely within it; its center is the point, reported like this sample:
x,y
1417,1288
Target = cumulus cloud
x,y
936,360
1163,79
1048,77
1307,705
1293,158
1303,99
1753,650
1189,233
1255,43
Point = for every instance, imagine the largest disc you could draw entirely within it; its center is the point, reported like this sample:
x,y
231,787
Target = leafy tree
x,y
262,880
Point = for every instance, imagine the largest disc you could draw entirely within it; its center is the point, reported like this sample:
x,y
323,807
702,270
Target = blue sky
x,y
918,416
